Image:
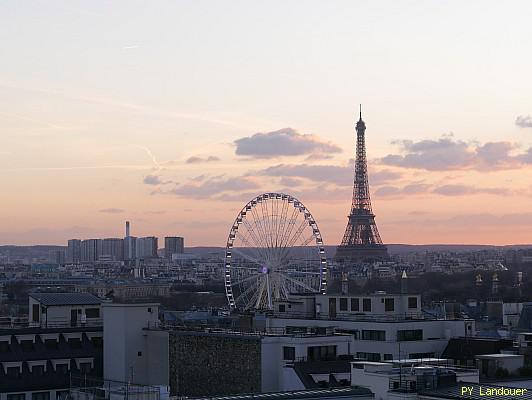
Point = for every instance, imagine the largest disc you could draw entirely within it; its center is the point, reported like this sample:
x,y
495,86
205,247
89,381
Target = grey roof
x,y
316,394
64,299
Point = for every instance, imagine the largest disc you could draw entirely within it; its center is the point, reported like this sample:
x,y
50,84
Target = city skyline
x,y
178,117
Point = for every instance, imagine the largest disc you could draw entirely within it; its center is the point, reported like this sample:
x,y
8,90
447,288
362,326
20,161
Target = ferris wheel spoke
x,y
259,294
248,279
288,224
291,224
277,220
260,227
298,232
245,293
265,219
299,283
257,250
269,292
247,257
283,221
307,241
253,233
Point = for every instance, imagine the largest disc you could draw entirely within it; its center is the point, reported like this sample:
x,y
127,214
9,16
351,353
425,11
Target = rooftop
x,y
66,299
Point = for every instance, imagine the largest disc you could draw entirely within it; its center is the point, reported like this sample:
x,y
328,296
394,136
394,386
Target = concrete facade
x,y
133,352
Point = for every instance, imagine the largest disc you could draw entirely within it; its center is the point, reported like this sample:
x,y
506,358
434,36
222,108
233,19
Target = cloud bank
x,y
447,154
283,142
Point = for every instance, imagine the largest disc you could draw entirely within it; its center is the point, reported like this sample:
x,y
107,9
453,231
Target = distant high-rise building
x,y
147,247
112,249
56,256
130,248
90,250
73,251
130,245
173,245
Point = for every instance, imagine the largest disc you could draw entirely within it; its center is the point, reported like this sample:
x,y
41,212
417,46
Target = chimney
x,y
404,283
127,228
345,284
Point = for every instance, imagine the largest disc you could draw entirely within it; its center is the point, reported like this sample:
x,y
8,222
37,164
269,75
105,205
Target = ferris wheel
x,y
274,248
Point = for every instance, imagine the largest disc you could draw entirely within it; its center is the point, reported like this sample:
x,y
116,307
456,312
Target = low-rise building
x,y
47,310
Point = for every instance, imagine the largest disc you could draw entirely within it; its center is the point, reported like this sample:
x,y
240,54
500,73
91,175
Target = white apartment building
x,y
384,326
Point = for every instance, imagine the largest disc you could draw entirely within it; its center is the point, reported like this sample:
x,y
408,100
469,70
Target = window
x,y
16,396
296,329
350,332
37,370
355,306
97,342
26,345
51,344
13,372
92,312
282,308
412,302
321,353
343,304
389,304
409,335
289,353
388,357
369,356
4,347
139,353
40,396
61,368
36,311
366,305
61,394
85,367
420,355
373,335
75,343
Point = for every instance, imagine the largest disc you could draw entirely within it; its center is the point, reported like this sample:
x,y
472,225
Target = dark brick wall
x,y
206,364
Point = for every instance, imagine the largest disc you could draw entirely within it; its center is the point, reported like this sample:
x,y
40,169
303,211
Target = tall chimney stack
x,y
127,228
404,283
345,284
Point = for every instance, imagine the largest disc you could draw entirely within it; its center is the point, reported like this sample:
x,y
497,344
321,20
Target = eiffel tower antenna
x,y
361,240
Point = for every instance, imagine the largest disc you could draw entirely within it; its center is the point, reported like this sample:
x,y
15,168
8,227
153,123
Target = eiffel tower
x,y
361,241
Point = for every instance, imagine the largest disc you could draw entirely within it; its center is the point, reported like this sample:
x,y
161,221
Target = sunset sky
x,y
173,114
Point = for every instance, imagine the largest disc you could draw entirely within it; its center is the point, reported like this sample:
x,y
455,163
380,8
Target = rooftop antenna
x,y
360,109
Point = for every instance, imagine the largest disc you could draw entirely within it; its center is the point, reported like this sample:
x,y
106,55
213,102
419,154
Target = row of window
x,y
355,304
59,395
389,304
51,344
378,335
387,356
89,312
314,353
38,370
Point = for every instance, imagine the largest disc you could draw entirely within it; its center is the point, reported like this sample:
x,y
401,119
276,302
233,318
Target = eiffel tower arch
x,y
361,240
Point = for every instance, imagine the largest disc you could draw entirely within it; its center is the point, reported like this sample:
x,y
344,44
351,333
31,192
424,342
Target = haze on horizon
x,y
173,114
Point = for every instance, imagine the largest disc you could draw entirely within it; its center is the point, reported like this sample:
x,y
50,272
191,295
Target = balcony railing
x,y
417,316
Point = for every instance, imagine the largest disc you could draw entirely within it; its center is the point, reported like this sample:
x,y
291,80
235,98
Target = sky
x,y
173,114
